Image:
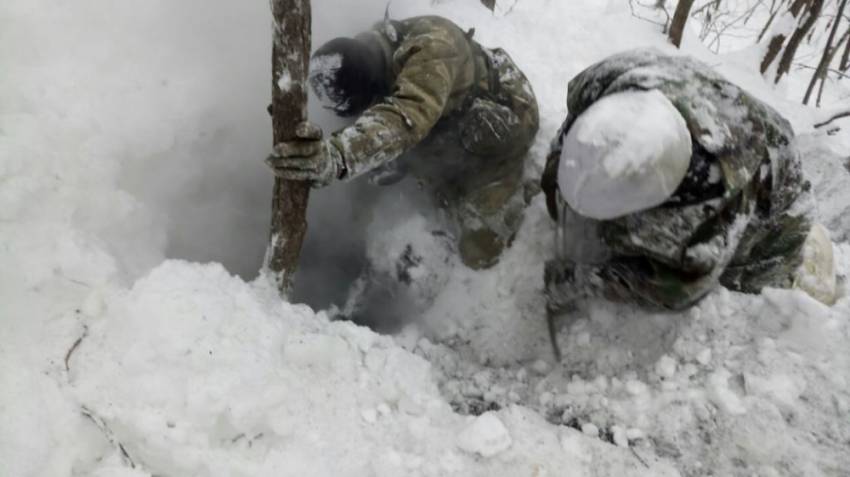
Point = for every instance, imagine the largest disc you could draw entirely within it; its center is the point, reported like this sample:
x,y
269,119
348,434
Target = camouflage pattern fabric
x,y
739,218
460,119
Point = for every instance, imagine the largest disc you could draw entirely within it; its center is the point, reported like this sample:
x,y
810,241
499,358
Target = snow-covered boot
x,y
816,275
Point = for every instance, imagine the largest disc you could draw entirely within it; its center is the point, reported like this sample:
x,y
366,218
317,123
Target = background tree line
x,y
780,27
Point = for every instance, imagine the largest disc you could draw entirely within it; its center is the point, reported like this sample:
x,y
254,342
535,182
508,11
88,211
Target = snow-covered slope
x,y
128,135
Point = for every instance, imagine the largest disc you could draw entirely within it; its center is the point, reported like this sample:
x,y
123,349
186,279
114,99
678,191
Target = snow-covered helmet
x,y
348,75
626,153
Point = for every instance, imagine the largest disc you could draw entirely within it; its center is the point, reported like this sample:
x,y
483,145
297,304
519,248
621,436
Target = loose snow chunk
x,y
704,357
369,415
590,429
540,367
486,436
573,445
285,81
780,388
666,367
724,397
620,438
628,152
316,350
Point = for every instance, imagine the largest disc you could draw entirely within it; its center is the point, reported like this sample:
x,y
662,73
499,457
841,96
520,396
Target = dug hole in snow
x,y
116,362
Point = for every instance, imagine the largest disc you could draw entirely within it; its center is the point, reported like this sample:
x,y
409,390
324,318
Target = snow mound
x,y
486,436
195,372
628,152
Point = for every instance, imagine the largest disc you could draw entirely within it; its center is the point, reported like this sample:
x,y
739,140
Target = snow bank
x,y
194,372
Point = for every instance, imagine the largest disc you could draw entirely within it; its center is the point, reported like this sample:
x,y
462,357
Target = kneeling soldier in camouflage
x,y
667,180
423,84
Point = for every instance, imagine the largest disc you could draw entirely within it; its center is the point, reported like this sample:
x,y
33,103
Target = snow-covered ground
x,y
128,135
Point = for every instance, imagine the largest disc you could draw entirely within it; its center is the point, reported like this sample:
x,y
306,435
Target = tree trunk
x,y
774,46
680,19
828,62
770,19
845,58
290,63
811,17
806,12
828,54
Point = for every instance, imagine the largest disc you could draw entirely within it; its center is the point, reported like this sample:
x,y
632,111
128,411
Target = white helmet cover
x,y
628,152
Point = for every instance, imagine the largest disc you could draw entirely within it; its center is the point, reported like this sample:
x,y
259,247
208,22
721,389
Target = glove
x,y
307,158
488,128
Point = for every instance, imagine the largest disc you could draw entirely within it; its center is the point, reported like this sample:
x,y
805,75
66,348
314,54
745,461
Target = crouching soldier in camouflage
x,y
667,180
423,85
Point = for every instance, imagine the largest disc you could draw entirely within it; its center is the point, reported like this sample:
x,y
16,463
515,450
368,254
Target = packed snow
x,y
137,340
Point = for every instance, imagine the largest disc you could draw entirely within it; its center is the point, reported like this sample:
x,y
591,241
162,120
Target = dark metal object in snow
x,y
290,63
551,318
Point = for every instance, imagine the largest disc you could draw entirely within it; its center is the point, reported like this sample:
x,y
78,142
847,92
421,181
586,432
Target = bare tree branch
x,y
845,58
110,436
680,19
663,25
838,73
74,348
832,117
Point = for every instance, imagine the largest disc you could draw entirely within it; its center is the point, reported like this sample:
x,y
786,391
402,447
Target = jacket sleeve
x,y
661,259
430,64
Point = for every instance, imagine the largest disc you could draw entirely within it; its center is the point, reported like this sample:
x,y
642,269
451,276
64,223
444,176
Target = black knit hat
x,y
348,75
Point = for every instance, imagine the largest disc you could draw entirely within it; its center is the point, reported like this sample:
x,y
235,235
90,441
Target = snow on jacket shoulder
x,y
433,66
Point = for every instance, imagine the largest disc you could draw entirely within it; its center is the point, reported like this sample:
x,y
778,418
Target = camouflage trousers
x,y
473,162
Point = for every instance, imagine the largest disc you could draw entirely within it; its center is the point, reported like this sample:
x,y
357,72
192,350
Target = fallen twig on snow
x,y
639,457
74,347
107,432
830,70
663,25
832,117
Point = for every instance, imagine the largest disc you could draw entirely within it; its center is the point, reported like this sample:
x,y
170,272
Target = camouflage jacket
x,y
739,217
433,65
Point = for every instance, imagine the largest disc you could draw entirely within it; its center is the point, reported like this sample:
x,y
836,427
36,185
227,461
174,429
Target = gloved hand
x,y
488,128
307,158
561,289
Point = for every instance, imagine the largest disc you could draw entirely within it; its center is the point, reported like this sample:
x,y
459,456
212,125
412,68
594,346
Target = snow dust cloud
x,y
195,157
